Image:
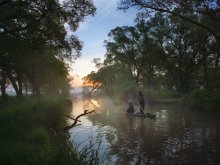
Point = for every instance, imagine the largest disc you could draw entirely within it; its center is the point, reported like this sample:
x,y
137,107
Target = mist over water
x,y
176,136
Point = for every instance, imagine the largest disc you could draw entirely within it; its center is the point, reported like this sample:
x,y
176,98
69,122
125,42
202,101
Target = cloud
x,y
105,8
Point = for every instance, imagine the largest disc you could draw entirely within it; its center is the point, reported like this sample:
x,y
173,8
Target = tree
x,y
104,78
92,80
123,46
210,71
185,48
132,47
36,29
165,51
208,11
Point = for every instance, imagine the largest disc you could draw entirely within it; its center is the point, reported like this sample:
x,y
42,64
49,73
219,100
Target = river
x,y
176,136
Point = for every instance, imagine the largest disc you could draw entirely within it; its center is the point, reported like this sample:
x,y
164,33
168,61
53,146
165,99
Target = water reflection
x,y
177,136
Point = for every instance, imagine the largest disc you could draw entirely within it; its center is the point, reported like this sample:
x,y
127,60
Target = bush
x,y
205,99
162,94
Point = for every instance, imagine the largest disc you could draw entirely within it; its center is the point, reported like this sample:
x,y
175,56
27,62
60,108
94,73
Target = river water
x,y
176,136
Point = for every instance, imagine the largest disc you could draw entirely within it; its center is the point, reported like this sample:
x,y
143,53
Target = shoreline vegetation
x,y
197,99
32,133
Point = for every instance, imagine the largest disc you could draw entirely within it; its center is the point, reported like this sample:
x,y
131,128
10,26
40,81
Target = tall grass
x,y
30,133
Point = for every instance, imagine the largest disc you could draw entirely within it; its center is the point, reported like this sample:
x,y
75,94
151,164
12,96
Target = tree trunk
x,y
206,78
19,79
13,81
25,86
150,77
35,87
3,81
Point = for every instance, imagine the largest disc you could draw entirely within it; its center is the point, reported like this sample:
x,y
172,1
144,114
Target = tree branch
x,y
71,118
65,129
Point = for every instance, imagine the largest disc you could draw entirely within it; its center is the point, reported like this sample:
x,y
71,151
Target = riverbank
x,y
31,132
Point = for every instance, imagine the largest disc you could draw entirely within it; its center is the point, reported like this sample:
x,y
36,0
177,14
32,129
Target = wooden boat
x,y
151,115
147,115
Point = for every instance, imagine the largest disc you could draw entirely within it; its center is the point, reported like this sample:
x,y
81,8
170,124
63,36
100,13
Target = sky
x,y
93,31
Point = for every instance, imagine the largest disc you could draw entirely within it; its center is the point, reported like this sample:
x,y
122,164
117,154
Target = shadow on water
x,y
176,136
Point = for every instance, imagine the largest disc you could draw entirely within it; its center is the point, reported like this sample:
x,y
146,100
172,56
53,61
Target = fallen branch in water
x,y
76,120
72,118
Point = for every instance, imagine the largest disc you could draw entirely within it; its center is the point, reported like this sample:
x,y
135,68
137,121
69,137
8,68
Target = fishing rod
x,y
142,110
147,115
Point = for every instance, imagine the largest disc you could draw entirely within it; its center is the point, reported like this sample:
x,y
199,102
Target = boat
x,y
147,115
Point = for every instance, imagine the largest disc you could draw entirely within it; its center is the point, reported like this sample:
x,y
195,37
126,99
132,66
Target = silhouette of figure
x,y
141,101
130,107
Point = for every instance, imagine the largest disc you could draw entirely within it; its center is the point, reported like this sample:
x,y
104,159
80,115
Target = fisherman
x,y
130,106
141,101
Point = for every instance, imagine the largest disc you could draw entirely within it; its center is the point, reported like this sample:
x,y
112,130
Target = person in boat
x,y
130,108
141,101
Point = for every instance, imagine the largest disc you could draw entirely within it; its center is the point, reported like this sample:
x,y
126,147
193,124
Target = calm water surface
x,y
176,136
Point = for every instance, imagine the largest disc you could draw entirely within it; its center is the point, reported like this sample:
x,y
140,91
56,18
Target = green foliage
x,y
163,94
125,86
182,61
106,78
35,48
207,10
134,50
29,133
150,53
205,99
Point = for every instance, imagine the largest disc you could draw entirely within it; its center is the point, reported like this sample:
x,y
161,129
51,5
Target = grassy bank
x,y
29,132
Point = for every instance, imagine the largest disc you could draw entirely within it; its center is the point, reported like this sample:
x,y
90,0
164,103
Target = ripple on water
x,y
177,136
